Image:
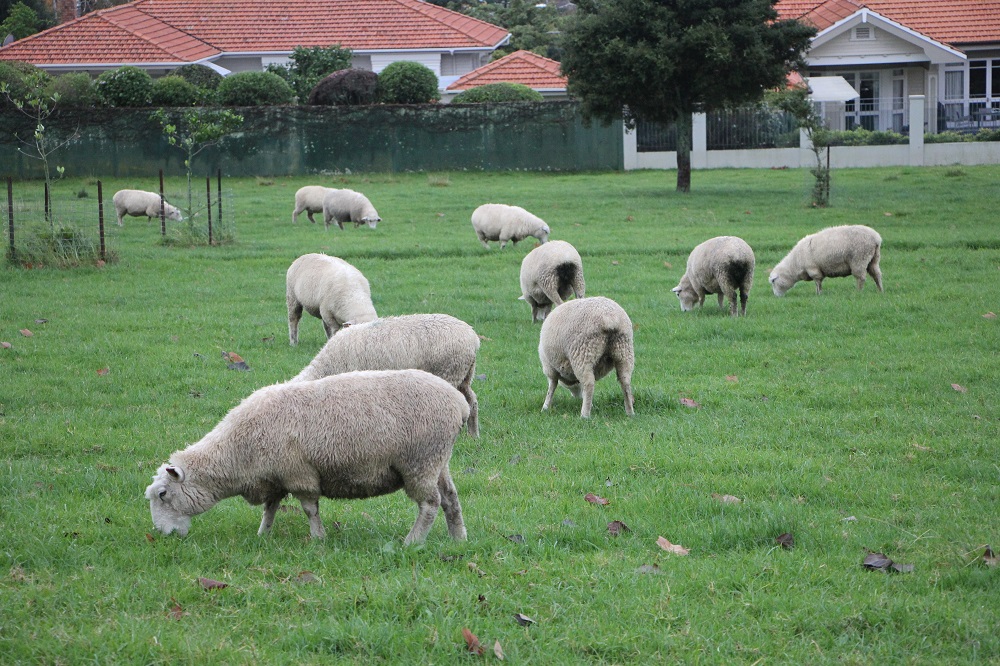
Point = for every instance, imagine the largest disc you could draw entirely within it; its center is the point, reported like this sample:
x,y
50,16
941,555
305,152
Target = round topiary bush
x,y
75,90
125,86
493,93
176,91
347,87
254,89
199,75
405,82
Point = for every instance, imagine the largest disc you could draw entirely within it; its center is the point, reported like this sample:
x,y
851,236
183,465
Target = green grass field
x,y
834,418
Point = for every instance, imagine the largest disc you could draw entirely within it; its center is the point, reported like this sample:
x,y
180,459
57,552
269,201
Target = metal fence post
x,y
163,214
100,218
219,193
208,197
10,216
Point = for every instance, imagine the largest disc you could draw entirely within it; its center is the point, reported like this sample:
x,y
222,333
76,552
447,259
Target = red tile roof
x,y
525,67
956,22
187,30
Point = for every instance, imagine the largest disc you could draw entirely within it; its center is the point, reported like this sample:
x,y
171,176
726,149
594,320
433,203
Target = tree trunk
x,y
683,124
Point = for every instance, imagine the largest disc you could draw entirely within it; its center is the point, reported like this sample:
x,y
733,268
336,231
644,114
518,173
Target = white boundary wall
x,y
917,153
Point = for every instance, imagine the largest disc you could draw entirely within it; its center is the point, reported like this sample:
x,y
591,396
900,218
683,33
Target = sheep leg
x,y
579,286
625,379
312,219
294,315
482,239
587,381
270,509
472,425
451,506
819,285
428,501
310,506
553,384
744,297
876,272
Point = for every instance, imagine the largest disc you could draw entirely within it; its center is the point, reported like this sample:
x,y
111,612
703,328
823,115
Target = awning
x,y
830,89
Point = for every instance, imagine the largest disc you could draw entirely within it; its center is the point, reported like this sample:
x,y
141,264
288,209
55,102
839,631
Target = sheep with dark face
x,y
721,265
581,342
349,436
549,274
852,249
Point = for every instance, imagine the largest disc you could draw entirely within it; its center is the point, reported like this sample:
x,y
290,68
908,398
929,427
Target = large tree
x,y
662,60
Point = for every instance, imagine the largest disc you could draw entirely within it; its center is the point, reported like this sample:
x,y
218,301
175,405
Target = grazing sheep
x,y
349,206
436,343
309,199
350,436
138,203
328,288
720,265
500,222
852,249
549,273
581,341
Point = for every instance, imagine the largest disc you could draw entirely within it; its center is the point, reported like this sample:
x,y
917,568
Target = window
x,y
954,84
977,79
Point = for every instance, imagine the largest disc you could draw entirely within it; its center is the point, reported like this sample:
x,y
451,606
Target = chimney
x,y
65,10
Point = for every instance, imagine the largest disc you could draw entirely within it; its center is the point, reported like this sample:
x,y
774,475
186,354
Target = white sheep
x,y
328,288
852,249
500,222
549,274
139,202
348,206
309,199
350,436
722,265
437,343
581,342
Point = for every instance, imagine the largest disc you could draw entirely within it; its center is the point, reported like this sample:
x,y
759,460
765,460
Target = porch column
x,y
699,141
630,145
917,130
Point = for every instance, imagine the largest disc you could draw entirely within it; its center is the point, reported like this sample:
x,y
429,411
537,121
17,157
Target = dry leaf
x,y
523,619
515,538
667,264
305,577
596,499
5,345
471,641
921,448
176,612
726,499
990,315
209,584
614,263
887,214
149,537
901,568
269,338
876,562
26,333
617,527
103,371
959,388
648,569
674,548
475,567
497,650
688,402
989,559
732,378
786,541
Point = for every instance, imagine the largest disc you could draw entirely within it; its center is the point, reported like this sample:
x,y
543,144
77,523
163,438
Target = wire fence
x,y
743,128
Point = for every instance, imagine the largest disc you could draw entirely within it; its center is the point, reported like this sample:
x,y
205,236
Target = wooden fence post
x,y
219,193
10,216
100,218
208,197
163,214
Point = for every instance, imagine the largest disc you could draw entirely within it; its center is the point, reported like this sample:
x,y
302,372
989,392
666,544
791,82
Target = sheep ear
x,y
175,472
676,289
520,298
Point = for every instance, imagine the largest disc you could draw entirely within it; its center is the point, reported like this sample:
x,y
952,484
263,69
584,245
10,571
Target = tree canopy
x,y
663,60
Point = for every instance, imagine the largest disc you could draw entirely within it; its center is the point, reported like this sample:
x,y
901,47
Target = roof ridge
x,y
109,13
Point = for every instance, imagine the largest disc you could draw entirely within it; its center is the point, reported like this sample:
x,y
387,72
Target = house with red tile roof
x,y
535,71
240,35
946,50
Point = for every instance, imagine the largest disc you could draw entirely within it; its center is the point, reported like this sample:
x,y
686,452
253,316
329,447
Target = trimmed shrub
x,y
126,87
495,93
254,89
199,75
22,79
75,90
407,82
348,87
176,91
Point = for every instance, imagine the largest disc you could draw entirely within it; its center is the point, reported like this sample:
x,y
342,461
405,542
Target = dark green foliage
x,y
493,93
22,79
254,89
664,61
348,87
21,22
199,75
76,90
310,65
406,82
175,91
533,26
125,86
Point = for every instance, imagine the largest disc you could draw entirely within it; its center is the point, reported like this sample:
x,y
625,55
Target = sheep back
x,y
139,202
833,252
501,222
582,341
349,206
722,265
549,274
436,343
349,436
328,288
309,199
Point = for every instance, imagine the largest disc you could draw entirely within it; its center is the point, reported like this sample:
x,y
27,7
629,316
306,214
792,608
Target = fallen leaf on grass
x,y
648,569
269,338
617,527
960,388
523,619
176,612
674,548
726,499
688,402
990,315
235,361
209,584
150,538
732,378
921,448
471,641
880,562
515,538
596,499
475,567
306,577
989,559
667,264
497,650
26,333
786,541
103,371
5,345
615,263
